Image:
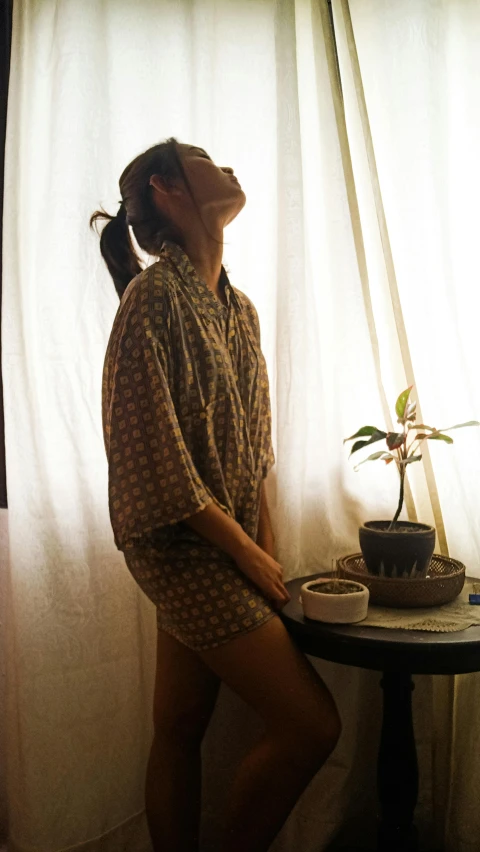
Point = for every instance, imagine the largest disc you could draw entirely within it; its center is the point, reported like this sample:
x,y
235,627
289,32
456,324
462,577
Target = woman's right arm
x,y
224,532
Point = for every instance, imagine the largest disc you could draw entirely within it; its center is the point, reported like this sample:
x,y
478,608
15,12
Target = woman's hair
x,y
137,209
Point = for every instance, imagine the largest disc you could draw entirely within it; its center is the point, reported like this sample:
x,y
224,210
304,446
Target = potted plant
x,y
399,548
334,600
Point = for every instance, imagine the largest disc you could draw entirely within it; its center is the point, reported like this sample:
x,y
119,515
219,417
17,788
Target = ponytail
x,y
117,248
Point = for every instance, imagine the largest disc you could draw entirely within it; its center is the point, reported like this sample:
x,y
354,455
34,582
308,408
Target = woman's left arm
x,y
265,538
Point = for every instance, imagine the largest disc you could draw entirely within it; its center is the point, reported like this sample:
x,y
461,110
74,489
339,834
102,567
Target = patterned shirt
x,y
185,404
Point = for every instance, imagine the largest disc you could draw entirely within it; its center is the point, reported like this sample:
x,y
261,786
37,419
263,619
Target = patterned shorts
x,y
202,598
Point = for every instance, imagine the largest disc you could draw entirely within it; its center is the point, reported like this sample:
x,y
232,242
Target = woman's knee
x,y
314,741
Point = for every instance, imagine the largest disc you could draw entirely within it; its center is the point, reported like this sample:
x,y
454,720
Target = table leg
x,y
397,772
397,769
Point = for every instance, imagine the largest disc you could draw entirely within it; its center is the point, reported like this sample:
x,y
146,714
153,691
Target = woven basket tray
x,y
443,583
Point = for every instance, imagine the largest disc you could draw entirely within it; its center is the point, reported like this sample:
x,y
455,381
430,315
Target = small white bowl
x,y
334,609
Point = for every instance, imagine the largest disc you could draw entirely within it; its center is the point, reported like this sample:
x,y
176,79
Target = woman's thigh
x,y
269,672
186,690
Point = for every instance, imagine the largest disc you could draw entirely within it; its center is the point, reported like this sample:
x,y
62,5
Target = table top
x,y
381,649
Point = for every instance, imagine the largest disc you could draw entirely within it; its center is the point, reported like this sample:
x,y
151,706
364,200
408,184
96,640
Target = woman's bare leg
x,y
185,694
267,670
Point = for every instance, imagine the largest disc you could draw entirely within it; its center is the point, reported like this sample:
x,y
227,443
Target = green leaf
x,y
365,430
401,402
439,437
359,445
422,426
395,440
409,460
459,426
374,456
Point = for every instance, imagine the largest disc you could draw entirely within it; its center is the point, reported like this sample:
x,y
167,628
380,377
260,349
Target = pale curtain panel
x,y
410,76
93,84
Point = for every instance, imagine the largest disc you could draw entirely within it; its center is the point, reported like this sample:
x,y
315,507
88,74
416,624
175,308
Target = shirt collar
x,y
190,276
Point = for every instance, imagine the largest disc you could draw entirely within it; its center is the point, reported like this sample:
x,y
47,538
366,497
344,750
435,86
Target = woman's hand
x,y
265,572
224,532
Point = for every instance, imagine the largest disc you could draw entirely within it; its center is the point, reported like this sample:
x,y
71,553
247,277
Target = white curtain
x,y
410,73
362,269
410,77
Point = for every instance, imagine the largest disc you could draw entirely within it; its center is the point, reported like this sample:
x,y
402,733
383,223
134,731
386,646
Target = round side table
x,y
398,654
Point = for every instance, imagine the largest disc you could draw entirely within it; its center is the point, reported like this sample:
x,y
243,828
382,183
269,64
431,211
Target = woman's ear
x,y
165,188
159,184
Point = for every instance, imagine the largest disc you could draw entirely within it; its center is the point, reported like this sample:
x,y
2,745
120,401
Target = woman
x,y
186,417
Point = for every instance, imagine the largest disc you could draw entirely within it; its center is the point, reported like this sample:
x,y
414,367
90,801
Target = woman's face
x,y
219,197
217,193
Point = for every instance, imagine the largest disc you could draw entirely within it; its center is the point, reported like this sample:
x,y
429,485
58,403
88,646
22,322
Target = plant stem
x,y
335,574
400,502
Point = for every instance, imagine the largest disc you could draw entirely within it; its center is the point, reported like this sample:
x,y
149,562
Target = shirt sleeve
x,y
171,483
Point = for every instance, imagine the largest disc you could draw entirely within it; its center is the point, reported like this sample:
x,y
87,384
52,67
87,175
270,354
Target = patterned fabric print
x,y
185,404
202,599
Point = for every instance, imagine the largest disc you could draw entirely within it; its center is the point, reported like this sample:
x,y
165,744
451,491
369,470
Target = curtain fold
x,y
401,67
409,77
328,250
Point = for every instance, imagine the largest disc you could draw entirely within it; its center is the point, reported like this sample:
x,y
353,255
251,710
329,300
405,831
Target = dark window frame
x,y
6,9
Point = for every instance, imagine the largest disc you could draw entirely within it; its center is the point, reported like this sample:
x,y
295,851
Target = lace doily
x,y
456,615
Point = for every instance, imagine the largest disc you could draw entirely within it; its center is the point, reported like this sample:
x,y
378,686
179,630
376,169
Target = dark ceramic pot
x,y
403,551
